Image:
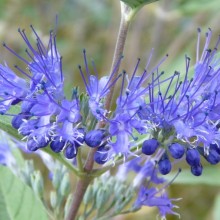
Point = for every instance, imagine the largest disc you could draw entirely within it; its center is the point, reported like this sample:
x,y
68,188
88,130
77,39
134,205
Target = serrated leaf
x,y
210,177
137,3
17,200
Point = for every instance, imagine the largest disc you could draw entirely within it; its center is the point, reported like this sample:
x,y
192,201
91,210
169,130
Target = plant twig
x,y
83,182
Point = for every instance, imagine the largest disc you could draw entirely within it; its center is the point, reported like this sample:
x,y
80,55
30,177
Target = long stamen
x,y
122,87
96,75
170,83
86,65
134,72
149,58
198,44
202,81
182,96
114,81
61,69
208,38
155,68
13,52
38,38
172,98
187,59
112,74
27,42
9,82
84,80
55,46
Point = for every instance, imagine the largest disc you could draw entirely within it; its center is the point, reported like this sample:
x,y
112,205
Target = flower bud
x,y
213,157
88,197
150,146
32,145
101,198
101,155
176,150
193,157
57,145
196,170
53,199
17,121
94,138
70,151
164,165
37,183
65,185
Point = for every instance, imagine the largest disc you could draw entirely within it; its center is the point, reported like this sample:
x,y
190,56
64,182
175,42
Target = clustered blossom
x,y
147,182
185,118
46,116
181,121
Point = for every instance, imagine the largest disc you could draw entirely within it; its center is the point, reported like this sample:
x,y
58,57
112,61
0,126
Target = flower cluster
x,y
46,116
180,121
185,116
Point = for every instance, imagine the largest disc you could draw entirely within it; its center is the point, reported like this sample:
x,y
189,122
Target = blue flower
x,y
45,114
96,88
121,129
101,155
150,146
164,164
176,150
13,88
185,115
155,198
94,138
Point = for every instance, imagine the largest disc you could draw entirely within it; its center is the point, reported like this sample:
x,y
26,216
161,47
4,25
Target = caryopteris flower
x,y
184,116
156,119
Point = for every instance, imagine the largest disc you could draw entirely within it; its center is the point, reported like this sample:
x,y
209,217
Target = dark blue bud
x,y
101,155
196,170
193,157
215,147
33,145
17,121
176,150
150,146
213,157
94,138
16,101
70,151
164,165
57,145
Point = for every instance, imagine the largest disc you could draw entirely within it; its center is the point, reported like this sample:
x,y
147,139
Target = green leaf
x,y
5,122
210,177
216,213
17,200
137,3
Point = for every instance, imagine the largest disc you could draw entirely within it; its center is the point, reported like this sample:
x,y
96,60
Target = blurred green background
x,y
168,26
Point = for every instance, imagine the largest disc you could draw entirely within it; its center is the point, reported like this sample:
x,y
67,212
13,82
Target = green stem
x,y
126,17
79,160
84,181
